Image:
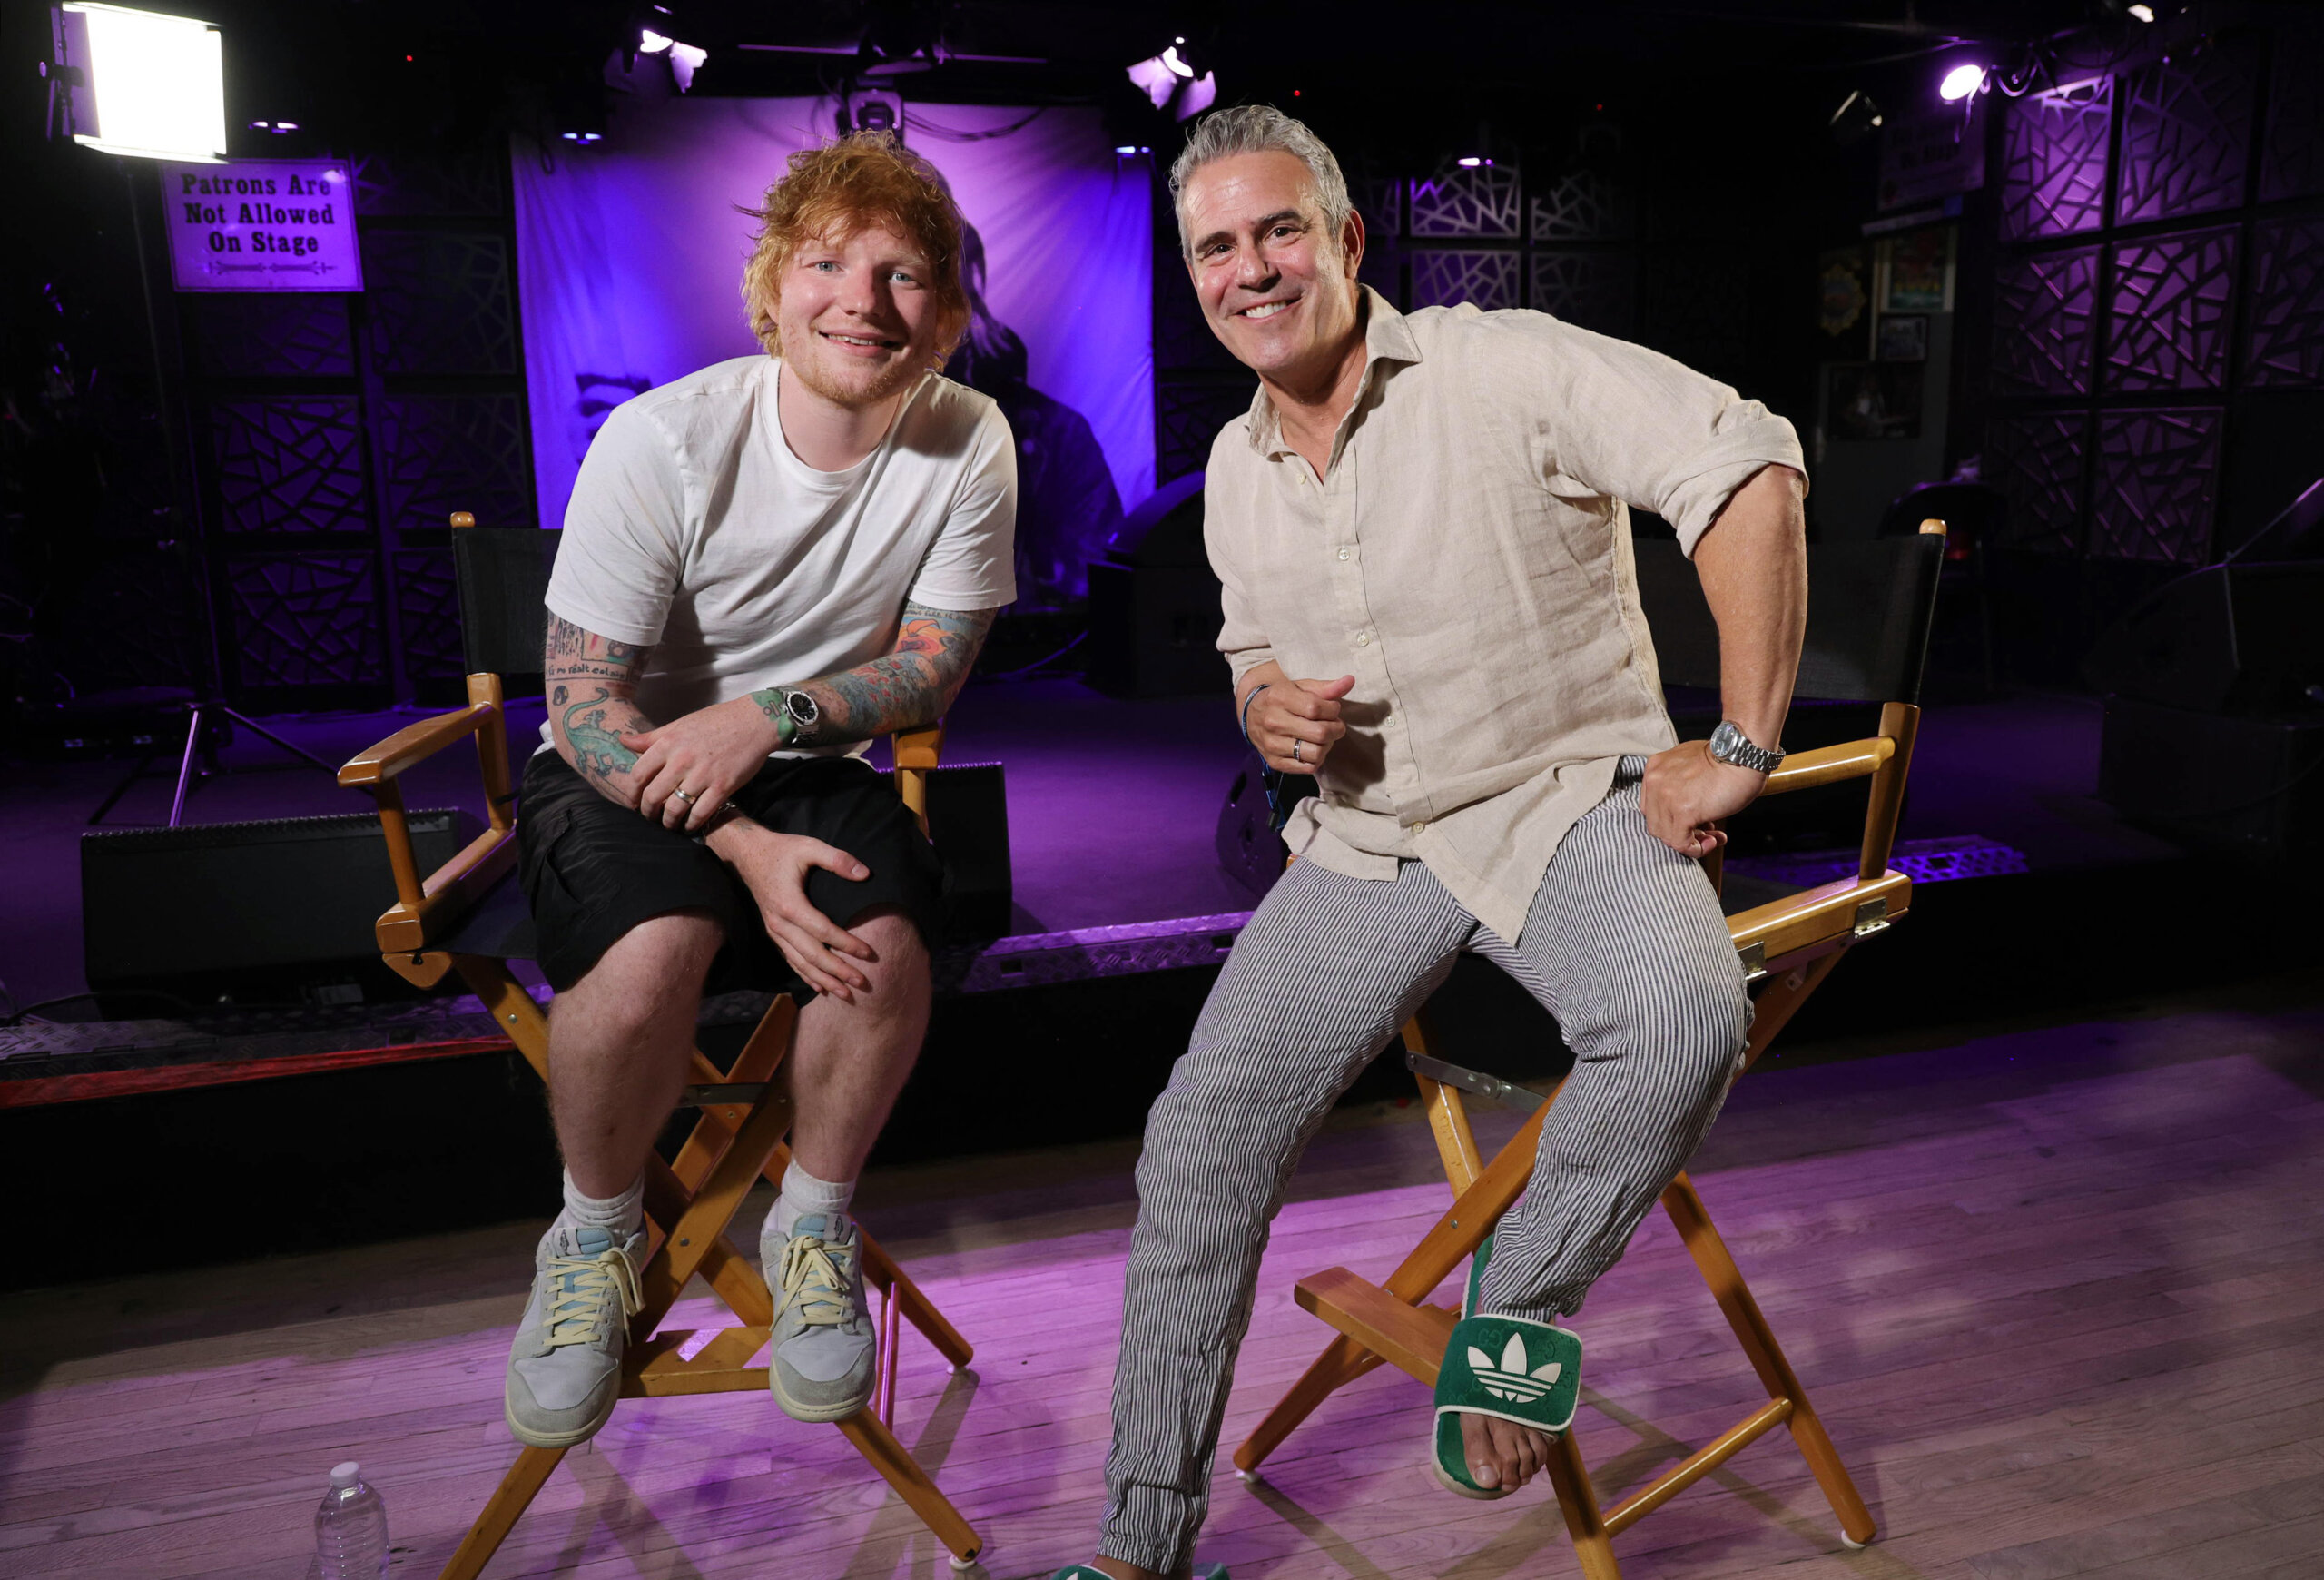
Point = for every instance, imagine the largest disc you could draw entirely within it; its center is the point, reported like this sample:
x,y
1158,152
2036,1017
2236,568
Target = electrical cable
x,y
954,134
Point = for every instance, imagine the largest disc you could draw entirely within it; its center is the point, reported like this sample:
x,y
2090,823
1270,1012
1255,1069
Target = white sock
x,y
620,1216
803,1194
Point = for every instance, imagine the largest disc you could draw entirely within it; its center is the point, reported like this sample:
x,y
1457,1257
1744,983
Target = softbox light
x,y
149,86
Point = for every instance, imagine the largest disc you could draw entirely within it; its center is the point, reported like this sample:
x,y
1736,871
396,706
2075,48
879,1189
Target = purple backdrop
x,y
630,256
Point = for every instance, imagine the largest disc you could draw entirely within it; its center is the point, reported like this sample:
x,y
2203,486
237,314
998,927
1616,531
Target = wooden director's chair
x,y
1868,635
469,918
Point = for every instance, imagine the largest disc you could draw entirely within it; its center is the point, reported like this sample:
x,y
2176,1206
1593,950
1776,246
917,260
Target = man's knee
x,y
899,966
653,970
1694,1012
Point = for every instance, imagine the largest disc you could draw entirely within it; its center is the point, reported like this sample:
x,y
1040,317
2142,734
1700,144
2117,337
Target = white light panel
x,y
156,83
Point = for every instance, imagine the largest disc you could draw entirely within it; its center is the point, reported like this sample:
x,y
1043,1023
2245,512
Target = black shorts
x,y
593,869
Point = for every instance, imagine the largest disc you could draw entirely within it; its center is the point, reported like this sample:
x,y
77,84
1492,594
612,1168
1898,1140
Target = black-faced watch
x,y
799,716
1730,745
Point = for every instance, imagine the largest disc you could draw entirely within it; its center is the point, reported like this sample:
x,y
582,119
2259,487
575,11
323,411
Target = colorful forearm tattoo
x,y
592,683
911,685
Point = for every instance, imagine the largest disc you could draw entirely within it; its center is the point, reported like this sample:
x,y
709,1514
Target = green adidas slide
x,y
1083,1572
1510,1367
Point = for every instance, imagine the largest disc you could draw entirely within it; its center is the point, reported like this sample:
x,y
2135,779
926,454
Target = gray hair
x,y
1261,129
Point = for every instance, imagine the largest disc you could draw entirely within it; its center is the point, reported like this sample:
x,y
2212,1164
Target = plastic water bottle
x,y
351,1529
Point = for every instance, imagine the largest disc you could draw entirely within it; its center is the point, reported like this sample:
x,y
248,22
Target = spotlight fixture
x,y
2144,13
871,107
1473,161
143,84
583,136
277,127
1962,82
1177,78
686,59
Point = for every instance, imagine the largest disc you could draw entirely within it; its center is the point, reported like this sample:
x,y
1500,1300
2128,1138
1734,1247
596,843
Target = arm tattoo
x,y
592,683
913,684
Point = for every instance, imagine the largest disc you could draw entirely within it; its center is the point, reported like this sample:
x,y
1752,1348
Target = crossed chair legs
x,y
689,1202
1388,1323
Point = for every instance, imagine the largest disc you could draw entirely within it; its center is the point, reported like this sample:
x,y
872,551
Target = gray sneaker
x,y
564,1368
825,1352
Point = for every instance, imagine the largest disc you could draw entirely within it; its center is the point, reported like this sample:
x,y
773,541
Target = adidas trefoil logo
x,y
1510,1380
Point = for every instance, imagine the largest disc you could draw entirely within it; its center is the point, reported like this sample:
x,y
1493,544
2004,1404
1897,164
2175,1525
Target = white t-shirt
x,y
695,529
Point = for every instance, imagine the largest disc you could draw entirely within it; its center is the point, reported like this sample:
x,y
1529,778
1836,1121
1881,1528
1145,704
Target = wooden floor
x,y
2058,1293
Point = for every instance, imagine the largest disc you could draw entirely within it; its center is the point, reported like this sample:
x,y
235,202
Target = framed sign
x,y
261,224
1902,337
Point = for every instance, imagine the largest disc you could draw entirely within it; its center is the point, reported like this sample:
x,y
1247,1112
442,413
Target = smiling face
x,y
1278,288
857,317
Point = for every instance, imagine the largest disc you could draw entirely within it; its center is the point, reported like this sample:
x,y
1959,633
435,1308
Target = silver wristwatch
x,y
800,714
1730,745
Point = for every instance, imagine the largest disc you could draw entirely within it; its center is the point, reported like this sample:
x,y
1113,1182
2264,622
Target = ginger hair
x,y
834,191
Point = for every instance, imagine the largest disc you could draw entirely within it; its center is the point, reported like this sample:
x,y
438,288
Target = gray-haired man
x,y
1430,606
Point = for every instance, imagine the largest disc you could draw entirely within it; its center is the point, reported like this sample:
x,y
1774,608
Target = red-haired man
x,y
764,566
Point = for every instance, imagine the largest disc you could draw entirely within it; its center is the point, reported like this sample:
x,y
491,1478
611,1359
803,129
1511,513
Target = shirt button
x,y
1344,553
1363,638
1422,827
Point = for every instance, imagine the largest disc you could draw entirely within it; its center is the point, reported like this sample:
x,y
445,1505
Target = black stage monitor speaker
x,y
268,907
967,822
1154,613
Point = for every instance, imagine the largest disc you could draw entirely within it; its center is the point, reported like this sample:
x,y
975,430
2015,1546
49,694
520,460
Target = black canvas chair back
x,y
503,574
1869,606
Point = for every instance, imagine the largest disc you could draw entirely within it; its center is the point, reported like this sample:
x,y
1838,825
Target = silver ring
x,y
685,795
1294,751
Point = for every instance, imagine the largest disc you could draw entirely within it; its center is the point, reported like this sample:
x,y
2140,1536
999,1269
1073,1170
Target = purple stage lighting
x,y
1472,162
1961,81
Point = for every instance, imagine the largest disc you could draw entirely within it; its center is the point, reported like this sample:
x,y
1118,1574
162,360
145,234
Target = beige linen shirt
x,y
1466,555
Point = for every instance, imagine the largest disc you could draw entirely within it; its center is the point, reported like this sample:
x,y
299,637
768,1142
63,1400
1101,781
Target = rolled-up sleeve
x,y
1631,424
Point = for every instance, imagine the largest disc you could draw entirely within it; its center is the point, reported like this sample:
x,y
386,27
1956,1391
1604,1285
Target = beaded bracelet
x,y
1246,712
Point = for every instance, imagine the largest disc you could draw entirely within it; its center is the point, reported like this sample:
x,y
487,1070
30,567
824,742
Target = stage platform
x,y
1113,806
2054,1291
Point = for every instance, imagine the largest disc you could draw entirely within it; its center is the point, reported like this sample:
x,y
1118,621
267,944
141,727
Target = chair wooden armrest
x,y
1799,926
917,752
413,744
426,907
1830,764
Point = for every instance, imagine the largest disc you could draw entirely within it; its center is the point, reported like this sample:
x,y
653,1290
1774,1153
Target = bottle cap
x,y
343,1476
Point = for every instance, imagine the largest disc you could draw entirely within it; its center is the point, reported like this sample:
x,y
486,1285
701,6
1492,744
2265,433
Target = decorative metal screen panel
x,y
1466,202
2037,460
2053,162
2186,126
2044,306
474,183
1191,416
1446,277
1584,206
2286,306
305,620
1598,290
1381,202
291,466
427,606
2291,160
270,334
2171,312
441,302
442,453
2156,473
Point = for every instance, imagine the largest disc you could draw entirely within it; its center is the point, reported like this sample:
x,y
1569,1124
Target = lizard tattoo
x,y
592,682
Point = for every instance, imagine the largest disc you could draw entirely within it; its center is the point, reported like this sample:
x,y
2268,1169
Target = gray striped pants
x,y
1624,945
